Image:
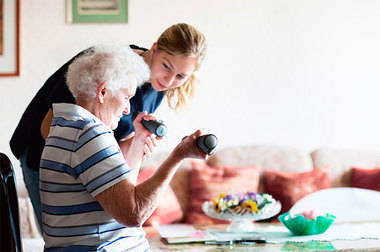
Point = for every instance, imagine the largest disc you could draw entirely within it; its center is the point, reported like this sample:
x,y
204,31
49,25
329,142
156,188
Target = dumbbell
x,y
207,143
156,127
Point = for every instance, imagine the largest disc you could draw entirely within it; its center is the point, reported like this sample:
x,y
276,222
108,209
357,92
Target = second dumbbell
x,y
156,127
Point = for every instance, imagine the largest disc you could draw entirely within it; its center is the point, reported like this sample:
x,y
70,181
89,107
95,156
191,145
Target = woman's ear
x,y
154,47
101,92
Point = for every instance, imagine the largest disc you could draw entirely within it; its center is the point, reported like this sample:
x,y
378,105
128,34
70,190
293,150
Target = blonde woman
x,y
173,60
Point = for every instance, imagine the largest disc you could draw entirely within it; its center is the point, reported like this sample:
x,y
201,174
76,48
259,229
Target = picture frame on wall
x,y
9,38
97,11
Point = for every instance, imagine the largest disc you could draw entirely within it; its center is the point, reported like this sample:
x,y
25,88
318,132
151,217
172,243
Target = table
x,y
158,245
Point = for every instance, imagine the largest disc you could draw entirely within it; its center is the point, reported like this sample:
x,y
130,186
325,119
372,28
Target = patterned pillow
x,y
366,178
288,187
207,182
168,210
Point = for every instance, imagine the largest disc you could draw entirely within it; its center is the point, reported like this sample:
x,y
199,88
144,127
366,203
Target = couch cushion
x,y
268,157
207,182
366,178
289,187
341,161
168,209
273,157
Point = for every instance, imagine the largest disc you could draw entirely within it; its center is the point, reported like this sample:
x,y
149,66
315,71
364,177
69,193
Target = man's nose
x,y
126,110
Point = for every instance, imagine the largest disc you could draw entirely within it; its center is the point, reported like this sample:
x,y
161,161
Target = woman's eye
x,y
166,66
181,77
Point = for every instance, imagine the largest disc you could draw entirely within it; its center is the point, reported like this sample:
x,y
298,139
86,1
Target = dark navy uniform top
x,y
27,135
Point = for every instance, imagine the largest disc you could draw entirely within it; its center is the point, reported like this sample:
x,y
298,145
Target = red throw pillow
x,y
207,182
288,187
168,209
366,178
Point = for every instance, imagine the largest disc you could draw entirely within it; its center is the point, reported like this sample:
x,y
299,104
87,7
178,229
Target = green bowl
x,y
299,225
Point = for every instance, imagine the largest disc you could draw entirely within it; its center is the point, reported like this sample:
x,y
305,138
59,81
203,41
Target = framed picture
x,y
9,38
97,11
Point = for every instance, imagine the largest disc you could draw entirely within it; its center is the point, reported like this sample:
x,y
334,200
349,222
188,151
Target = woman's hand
x,y
188,148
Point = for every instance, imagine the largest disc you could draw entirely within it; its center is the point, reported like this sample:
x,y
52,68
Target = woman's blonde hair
x,y
183,40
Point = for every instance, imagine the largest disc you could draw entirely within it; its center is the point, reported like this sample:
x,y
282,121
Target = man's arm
x,y
136,150
131,205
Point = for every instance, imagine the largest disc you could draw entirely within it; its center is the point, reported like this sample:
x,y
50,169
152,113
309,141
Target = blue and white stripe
x,y
81,159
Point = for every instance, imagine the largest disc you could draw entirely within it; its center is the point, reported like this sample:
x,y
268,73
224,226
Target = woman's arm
x,y
131,205
45,125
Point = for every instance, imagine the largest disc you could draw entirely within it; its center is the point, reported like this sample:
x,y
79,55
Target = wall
x,y
298,73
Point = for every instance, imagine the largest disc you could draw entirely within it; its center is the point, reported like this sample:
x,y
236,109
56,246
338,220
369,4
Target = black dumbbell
x,y
156,127
207,143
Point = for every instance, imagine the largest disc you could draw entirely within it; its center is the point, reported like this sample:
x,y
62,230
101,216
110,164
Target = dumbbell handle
x,y
156,127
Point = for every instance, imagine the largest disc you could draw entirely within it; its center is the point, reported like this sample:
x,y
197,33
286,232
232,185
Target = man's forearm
x,y
133,150
148,193
131,205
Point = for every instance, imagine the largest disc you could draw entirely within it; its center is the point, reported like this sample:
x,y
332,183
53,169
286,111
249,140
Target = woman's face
x,y
115,105
168,71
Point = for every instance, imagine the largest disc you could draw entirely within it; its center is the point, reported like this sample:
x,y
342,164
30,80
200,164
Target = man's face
x,y
116,104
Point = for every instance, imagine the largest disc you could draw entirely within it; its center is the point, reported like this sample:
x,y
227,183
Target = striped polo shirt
x,y
81,159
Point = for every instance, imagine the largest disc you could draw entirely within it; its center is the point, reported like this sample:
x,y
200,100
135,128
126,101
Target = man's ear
x,y
101,92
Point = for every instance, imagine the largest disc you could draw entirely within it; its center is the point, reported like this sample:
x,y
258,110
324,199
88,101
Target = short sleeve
x,y
98,160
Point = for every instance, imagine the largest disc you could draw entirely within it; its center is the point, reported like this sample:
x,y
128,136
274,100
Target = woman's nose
x,y
170,79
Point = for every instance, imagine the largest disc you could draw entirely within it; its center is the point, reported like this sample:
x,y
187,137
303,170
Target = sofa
x,y
282,171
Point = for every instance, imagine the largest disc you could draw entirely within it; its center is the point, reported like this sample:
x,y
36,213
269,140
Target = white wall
x,y
298,73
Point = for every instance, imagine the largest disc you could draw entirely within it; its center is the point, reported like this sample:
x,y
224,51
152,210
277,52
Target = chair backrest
x,y
10,238
346,203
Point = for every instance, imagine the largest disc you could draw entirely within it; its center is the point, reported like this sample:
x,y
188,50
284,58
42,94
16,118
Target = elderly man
x,y
90,200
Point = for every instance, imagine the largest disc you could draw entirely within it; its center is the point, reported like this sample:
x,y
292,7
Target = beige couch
x,y
281,158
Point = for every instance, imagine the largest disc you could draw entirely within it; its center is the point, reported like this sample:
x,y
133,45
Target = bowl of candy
x,y
308,222
241,209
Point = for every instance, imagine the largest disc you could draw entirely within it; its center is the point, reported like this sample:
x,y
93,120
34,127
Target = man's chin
x,y
114,126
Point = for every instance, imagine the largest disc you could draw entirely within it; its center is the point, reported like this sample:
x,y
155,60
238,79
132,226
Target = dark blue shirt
x,y
27,135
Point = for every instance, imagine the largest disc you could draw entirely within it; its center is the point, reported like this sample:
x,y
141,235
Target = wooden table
x,y
338,245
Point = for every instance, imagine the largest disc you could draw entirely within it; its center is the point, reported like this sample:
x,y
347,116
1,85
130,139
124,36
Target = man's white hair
x,y
116,65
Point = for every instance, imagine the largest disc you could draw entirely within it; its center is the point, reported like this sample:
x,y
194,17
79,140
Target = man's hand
x,y
150,144
188,148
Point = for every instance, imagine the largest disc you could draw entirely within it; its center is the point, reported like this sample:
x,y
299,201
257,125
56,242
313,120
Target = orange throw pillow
x,y
288,187
207,182
366,178
168,209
